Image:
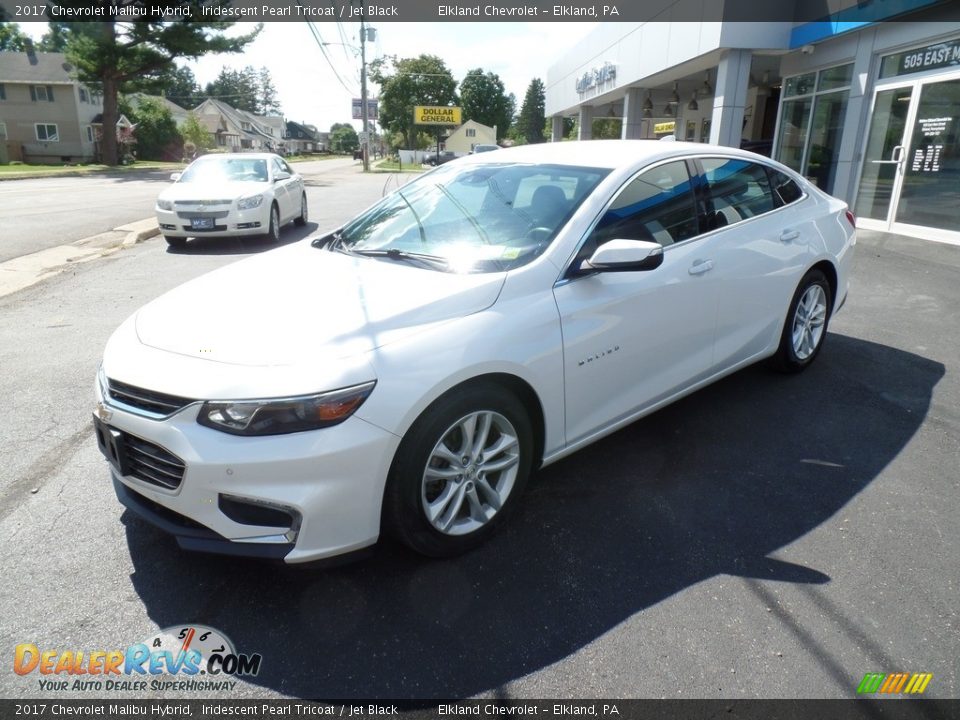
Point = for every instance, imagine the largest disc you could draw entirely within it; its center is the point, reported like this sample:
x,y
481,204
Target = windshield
x,y
226,170
474,218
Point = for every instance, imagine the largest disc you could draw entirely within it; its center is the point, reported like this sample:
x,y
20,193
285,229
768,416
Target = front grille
x,y
152,464
149,400
202,203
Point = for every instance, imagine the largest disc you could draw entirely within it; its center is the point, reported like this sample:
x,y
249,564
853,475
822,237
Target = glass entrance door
x,y
884,155
930,187
910,181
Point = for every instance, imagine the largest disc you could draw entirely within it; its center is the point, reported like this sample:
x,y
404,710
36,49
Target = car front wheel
x,y
806,323
459,471
273,232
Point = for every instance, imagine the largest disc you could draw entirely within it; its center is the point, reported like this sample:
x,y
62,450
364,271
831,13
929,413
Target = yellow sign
x,y
436,115
665,127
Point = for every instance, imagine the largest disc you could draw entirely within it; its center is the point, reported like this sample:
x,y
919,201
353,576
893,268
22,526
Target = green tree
x,y
157,135
343,138
179,85
12,38
56,37
529,125
117,55
196,134
607,128
483,99
406,83
237,88
268,101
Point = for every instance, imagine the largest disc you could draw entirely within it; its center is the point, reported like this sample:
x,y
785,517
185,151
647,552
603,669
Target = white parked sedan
x,y
232,195
408,371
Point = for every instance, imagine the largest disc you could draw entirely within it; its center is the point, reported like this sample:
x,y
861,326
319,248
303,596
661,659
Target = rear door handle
x,y
699,267
788,235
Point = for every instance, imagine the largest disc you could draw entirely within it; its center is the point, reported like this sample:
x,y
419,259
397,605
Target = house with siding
x,y
302,138
470,134
238,130
46,115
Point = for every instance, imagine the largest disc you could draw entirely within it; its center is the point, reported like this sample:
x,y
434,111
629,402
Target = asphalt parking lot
x,y
768,537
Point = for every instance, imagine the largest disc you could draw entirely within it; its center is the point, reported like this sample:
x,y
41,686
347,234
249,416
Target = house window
x,y
3,92
46,132
84,97
89,133
471,132
41,93
3,131
245,126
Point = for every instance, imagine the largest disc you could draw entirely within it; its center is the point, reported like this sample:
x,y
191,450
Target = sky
x,y
309,88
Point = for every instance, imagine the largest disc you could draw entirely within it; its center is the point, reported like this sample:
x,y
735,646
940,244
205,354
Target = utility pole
x,y
363,95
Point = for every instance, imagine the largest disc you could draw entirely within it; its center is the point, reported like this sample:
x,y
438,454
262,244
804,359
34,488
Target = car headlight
x,y
277,416
245,203
165,204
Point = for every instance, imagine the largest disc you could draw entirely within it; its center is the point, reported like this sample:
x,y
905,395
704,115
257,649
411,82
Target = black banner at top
x,y
446,10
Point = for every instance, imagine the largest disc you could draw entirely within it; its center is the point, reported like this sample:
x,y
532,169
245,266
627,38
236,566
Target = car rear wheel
x,y
806,323
175,242
302,220
459,471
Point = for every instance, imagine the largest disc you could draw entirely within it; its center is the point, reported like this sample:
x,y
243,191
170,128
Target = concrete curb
x,y
28,270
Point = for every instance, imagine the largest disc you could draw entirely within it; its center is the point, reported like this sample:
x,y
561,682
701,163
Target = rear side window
x,y
735,190
657,206
785,190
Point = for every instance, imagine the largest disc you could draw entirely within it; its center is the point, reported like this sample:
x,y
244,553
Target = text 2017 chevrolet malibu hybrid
x,y
407,372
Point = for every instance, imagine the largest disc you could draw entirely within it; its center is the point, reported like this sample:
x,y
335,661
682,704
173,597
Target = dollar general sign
x,y
436,115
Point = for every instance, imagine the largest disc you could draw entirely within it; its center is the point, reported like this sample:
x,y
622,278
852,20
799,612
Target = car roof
x,y
235,156
604,153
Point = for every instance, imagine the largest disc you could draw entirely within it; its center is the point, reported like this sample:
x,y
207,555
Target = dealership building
x,y
865,103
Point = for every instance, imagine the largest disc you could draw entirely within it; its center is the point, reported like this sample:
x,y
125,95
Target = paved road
x,y
43,212
768,537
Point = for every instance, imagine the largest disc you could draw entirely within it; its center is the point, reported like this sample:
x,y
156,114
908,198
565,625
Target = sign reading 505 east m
x,y
436,115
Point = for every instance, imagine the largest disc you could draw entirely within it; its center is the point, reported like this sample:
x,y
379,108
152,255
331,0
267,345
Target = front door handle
x,y
788,235
699,267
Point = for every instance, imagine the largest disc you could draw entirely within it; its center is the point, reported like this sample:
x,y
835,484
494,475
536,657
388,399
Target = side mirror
x,y
281,175
175,176
625,256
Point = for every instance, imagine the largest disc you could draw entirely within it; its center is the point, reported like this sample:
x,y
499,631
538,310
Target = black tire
x,y
793,356
273,231
409,491
302,219
175,242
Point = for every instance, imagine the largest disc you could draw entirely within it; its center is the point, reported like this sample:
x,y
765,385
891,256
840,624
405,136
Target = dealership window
x,y
47,132
811,121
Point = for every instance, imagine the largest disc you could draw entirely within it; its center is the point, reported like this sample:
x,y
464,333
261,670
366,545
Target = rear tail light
x,y
851,218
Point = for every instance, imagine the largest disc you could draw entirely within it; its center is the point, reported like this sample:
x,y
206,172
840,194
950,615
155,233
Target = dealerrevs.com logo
x,y
894,683
183,657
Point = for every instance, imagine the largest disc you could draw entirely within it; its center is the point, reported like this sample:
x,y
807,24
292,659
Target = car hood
x,y
213,190
301,304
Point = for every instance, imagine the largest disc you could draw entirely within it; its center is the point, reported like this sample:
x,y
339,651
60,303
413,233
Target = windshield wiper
x,y
434,262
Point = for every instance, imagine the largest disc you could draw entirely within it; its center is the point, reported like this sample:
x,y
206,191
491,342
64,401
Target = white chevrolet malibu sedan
x,y
232,195
407,372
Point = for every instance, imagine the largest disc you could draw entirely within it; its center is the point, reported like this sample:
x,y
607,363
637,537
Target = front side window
x,y
735,190
656,206
474,218
47,132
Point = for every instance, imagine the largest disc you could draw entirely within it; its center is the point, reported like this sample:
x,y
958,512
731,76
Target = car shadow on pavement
x,y
243,246
713,484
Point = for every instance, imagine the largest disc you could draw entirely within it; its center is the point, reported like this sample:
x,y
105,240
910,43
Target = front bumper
x,y
301,497
226,221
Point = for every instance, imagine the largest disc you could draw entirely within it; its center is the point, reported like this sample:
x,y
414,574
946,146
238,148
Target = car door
x,y
759,254
282,186
631,339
